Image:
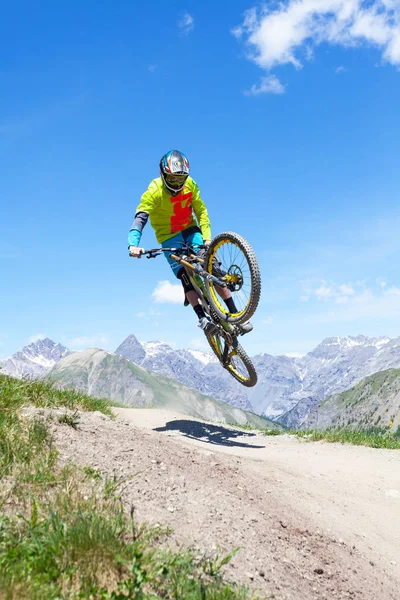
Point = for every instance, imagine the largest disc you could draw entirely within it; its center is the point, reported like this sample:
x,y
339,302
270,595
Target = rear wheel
x,y
233,359
231,259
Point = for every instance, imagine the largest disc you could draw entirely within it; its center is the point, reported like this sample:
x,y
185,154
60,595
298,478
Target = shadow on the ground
x,y
212,434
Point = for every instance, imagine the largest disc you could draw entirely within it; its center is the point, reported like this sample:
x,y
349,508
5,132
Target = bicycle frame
x,y
193,268
223,336
181,256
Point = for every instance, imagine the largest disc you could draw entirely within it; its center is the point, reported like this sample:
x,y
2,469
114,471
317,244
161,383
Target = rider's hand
x,y
135,252
207,243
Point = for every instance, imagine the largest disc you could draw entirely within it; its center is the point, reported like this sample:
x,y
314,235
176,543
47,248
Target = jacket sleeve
x,y
143,211
201,213
138,224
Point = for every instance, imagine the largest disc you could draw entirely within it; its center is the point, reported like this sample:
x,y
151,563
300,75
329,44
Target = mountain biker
x,y
178,215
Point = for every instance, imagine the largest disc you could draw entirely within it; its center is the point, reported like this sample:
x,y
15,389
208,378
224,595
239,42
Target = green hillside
x,y
103,374
372,403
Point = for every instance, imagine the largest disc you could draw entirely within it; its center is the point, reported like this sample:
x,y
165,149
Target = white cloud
x,y
325,291
269,85
340,69
87,341
168,293
186,24
381,282
237,32
289,31
347,290
36,338
354,301
393,291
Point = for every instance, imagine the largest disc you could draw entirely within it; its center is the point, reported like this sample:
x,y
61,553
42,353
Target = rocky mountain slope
x,y
106,375
374,402
334,366
198,370
34,360
287,389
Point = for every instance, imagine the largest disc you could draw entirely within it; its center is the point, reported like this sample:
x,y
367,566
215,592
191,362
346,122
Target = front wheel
x,y
231,259
233,359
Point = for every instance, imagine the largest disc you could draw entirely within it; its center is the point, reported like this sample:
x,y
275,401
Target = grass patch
x,y
15,393
273,432
63,531
71,419
278,430
92,473
373,438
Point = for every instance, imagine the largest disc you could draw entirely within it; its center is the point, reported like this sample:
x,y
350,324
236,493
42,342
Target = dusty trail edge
x,y
312,520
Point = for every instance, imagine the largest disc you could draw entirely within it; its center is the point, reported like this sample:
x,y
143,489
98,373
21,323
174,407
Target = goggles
x,y
176,181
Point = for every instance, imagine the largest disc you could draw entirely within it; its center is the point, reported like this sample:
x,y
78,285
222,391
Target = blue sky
x,y
289,116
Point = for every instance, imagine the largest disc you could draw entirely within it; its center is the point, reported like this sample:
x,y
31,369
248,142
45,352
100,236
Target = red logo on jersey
x,y
182,217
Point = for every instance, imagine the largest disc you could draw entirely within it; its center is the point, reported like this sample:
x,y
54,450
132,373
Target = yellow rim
x,y
229,367
233,370
229,279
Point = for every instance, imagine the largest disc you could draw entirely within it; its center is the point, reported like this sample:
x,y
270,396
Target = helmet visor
x,y
176,181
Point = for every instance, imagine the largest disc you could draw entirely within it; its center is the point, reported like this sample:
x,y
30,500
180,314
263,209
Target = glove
x,y
135,252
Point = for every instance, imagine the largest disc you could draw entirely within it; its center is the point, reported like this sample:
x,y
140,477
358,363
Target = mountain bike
x,y
228,262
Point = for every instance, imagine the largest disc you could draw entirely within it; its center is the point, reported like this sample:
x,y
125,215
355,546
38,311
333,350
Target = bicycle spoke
x,y
239,366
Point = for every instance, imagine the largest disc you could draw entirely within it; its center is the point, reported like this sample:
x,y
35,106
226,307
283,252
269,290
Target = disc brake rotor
x,y
234,278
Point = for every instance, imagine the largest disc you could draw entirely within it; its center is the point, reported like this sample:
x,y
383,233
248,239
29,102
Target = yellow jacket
x,y
170,214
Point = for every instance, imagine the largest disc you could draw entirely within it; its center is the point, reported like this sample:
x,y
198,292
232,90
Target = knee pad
x,y
186,283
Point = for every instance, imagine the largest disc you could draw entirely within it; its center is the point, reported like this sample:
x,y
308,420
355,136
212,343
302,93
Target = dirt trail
x,y
313,520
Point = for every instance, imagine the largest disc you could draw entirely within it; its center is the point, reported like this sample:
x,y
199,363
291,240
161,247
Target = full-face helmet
x,y
174,170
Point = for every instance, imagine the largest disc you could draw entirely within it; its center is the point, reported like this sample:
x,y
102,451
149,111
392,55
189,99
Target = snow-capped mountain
x,y
195,369
287,389
332,367
34,360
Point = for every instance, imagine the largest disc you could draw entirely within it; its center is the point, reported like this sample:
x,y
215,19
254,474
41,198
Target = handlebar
x,y
152,253
179,251
157,251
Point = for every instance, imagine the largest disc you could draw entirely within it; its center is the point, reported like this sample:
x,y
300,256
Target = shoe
x,y
206,325
245,328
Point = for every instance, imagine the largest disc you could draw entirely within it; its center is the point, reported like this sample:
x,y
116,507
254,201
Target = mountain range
x,y
287,390
287,387
103,374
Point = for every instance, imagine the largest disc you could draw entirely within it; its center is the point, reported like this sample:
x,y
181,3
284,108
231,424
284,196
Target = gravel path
x,y
312,520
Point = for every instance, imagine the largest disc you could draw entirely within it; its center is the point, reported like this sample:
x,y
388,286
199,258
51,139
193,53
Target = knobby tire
x,y
250,380
255,278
